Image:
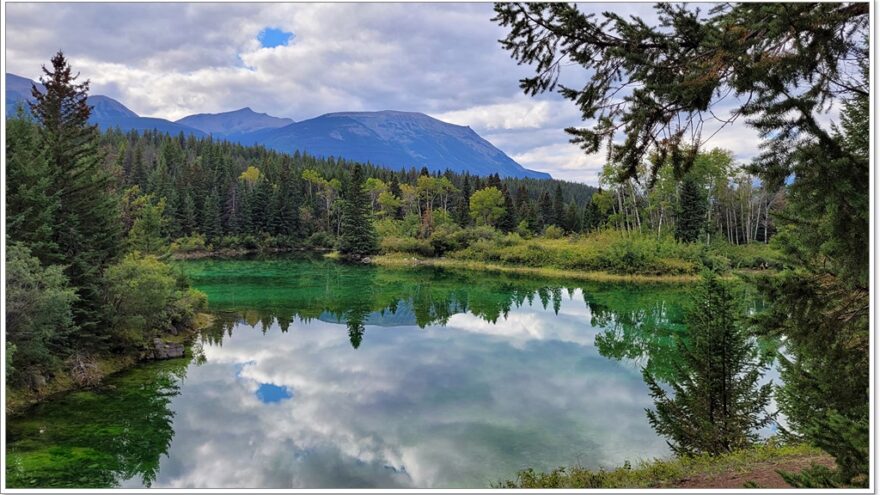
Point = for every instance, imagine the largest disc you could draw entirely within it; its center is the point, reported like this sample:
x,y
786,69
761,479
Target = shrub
x,y
320,240
421,247
139,291
446,238
553,232
195,242
38,312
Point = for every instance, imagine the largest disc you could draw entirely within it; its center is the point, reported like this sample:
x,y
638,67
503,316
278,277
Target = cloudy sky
x,y
172,60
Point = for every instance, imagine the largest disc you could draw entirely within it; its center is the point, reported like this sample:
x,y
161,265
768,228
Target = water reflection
x,y
321,375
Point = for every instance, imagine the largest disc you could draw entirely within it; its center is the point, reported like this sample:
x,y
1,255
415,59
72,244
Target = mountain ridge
x,y
388,138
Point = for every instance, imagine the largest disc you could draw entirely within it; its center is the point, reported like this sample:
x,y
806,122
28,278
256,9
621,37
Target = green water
x,y
318,374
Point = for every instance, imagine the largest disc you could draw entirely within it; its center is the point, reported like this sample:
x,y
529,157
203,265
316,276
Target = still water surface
x,y
318,374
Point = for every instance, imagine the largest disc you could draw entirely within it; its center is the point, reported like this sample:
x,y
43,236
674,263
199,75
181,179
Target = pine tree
x,y
508,221
691,211
358,236
186,215
592,217
212,225
717,406
30,205
558,215
394,189
573,218
462,210
87,227
545,212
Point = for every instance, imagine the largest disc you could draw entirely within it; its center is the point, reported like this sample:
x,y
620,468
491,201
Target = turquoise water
x,y
318,375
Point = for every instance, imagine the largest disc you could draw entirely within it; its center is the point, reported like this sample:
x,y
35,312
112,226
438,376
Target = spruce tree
x,y
87,226
508,221
545,212
30,204
212,225
691,211
357,236
462,209
558,215
717,406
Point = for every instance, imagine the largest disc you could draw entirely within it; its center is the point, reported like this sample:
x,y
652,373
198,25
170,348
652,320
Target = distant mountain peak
x,y
393,139
235,122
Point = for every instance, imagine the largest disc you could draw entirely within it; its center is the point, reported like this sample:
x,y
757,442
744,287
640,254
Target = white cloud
x,y
170,60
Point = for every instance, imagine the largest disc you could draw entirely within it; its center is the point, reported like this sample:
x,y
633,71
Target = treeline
x,y
83,279
716,198
238,195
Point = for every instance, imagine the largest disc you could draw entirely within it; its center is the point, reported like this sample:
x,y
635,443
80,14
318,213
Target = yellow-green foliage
x,y
659,473
610,251
189,244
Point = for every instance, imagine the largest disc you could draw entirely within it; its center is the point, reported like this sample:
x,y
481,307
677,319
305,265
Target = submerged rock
x,y
166,350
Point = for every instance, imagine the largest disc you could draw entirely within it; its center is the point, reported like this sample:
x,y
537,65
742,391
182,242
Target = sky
x,y
303,60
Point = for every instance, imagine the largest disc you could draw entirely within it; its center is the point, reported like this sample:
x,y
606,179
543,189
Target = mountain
x,y
18,89
389,138
107,113
233,123
393,139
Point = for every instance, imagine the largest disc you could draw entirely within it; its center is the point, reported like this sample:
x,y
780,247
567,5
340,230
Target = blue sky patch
x,y
269,393
272,37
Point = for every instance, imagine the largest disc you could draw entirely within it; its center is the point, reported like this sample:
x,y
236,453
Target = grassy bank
x,y
18,399
402,261
756,468
603,255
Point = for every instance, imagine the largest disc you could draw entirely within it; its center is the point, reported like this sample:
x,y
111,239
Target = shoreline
x,y
19,400
394,261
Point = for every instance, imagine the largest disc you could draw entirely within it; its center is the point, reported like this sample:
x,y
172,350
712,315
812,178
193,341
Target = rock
x,y
166,350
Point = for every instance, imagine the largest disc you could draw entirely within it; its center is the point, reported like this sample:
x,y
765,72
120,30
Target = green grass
x,y
610,254
659,473
402,261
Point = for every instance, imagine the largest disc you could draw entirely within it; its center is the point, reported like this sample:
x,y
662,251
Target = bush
x,y
553,232
148,297
139,291
410,245
195,242
38,313
320,240
445,238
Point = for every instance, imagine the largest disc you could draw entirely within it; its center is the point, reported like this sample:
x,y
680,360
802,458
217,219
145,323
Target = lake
x,y
317,374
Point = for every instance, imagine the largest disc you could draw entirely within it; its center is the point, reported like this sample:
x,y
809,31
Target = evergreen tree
x,y
508,221
558,215
821,303
186,215
573,218
30,204
212,225
691,211
357,236
86,223
394,189
462,210
545,212
717,406
592,217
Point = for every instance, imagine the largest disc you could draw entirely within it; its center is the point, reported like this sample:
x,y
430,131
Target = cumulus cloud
x,y
171,60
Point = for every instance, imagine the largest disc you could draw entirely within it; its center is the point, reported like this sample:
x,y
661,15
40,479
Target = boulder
x,y
166,350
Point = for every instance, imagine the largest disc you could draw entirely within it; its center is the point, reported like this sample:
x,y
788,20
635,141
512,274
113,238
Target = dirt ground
x,y
763,474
